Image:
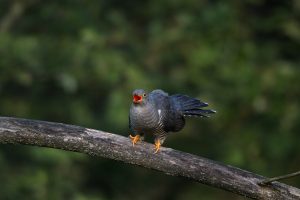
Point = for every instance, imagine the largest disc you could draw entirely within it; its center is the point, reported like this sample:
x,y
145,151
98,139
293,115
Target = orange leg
x,y
135,139
157,146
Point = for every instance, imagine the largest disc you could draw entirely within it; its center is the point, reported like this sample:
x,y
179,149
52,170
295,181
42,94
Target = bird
x,y
159,114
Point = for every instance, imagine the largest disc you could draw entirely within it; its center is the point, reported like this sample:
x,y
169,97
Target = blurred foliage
x,y
78,61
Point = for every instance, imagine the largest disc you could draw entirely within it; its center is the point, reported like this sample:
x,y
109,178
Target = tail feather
x,y
189,102
198,112
189,106
194,104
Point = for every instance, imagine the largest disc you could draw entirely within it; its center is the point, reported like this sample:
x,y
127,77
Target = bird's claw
x,y
135,139
157,146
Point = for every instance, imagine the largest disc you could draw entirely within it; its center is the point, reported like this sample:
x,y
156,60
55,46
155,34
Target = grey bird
x,y
159,114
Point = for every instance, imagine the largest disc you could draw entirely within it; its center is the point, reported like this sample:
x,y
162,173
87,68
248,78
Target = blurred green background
x,y
77,62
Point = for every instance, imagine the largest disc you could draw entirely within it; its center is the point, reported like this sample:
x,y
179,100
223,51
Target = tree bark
x,y
169,161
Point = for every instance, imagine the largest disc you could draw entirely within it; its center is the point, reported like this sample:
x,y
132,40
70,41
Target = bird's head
x,y
139,96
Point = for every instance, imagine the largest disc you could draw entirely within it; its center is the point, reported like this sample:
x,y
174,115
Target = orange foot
x,y
135,139
157,146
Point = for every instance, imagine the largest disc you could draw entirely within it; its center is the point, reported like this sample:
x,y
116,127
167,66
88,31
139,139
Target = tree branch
x,y
277,178
169,161
14,13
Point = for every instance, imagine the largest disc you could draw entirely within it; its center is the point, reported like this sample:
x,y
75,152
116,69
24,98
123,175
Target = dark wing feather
x,y
190,106
130,126
172,119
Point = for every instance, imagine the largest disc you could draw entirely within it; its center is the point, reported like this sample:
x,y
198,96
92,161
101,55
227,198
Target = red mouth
x,y
137,98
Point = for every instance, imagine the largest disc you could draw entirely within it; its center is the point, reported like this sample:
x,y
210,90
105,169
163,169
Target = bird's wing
x,y
170,118
159,92
189,106
129,124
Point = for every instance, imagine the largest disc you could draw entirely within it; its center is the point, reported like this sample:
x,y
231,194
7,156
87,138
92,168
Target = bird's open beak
x,y
137,98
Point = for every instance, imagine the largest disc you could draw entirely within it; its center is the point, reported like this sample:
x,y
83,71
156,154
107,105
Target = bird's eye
x,y
144,94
